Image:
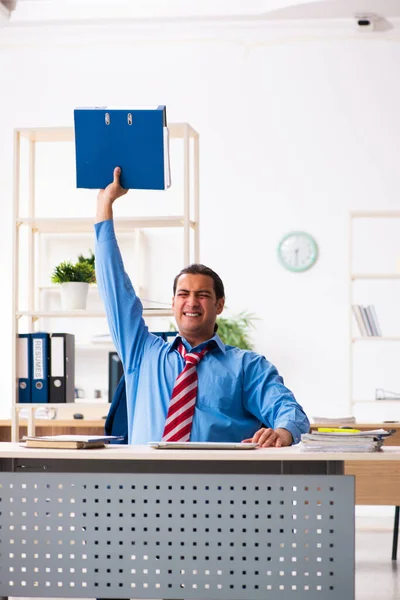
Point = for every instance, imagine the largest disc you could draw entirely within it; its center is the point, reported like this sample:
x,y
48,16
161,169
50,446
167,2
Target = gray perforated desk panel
x,y
207,529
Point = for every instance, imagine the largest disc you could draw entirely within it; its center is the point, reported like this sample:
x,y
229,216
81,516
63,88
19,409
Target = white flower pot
x,y
74,294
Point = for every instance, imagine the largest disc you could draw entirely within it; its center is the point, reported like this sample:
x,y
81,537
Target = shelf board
x,y
375,276
66,134
56,287
147,312
95,346
58,422
375,214
377,338
83,403
373,401
86,224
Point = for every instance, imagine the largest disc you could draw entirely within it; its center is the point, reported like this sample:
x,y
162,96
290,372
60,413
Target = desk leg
x,y
395,532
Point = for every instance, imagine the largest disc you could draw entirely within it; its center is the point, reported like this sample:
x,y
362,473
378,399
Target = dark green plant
x,y
234,331
89,259
82,271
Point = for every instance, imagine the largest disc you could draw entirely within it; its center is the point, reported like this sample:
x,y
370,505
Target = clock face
x,y
297,251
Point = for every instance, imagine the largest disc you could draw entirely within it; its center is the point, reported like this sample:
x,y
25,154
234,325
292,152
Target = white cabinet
x,y
50,216
375,280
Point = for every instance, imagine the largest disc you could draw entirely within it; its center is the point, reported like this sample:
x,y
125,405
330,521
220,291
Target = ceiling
x,y
28,11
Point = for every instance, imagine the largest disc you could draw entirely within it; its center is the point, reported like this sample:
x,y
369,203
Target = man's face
x,y
196,307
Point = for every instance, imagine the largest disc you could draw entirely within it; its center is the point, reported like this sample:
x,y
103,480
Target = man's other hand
x,y
268,438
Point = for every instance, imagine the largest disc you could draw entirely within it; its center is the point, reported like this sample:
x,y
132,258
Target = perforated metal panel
x,y
177,536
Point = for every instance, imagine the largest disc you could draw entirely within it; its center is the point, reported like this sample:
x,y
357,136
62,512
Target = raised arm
x,y
123,308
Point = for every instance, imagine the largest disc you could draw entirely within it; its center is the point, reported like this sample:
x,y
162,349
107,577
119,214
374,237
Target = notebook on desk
x,y
68,441
203,445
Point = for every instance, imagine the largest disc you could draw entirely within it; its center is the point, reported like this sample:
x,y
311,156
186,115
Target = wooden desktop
x,y
366,472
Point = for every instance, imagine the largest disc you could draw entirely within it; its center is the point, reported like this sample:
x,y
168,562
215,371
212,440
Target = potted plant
x,y
74,281
234,331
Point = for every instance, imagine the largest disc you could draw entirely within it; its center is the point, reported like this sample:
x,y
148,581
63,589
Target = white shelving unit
x,y
377,277
35,227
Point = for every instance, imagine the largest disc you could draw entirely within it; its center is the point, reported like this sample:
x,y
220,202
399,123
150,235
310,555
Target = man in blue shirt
x,y
240,395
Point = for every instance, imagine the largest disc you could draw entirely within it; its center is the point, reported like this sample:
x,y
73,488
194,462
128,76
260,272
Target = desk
x,y
131,521
144,523
367,473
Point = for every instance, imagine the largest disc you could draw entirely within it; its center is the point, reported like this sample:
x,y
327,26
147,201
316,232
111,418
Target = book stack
x,y
347,440
367,320
77,442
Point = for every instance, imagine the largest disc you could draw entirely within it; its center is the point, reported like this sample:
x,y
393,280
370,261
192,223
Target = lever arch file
x,y
24,368
62,367
40,367
135,139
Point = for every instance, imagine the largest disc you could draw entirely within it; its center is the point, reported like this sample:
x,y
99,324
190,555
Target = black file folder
x,y
135,139
62,368
24,368
115,372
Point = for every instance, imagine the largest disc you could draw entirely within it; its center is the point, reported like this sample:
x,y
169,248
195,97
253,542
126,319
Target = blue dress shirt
x,y
239,391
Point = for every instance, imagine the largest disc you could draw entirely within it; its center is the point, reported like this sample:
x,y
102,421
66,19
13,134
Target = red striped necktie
x,y
181,407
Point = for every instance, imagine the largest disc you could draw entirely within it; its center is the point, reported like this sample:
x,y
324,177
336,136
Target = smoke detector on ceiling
x,y
366,21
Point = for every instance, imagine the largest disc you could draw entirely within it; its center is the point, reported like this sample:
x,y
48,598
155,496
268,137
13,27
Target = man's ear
x,y
220,305
173,302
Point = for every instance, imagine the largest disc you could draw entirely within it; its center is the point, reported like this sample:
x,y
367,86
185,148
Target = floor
x,y
377,576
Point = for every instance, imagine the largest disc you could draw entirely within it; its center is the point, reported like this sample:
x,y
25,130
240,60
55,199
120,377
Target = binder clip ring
x,y
107,118
129,118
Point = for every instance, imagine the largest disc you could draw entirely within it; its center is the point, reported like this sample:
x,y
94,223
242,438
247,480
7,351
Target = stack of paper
x,y
339,421
334,440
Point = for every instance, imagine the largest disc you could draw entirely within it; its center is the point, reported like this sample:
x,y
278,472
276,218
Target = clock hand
x,y
296,250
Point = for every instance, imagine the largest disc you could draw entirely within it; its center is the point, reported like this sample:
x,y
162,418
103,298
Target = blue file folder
x,y
40,367
24,368
135,139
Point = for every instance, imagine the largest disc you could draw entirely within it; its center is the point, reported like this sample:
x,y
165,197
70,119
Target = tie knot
x,y
193,358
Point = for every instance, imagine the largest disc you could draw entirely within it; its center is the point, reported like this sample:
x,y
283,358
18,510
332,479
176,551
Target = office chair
x,y
117,418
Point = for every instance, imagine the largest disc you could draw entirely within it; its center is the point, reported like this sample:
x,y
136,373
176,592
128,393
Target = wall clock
x,y
297,251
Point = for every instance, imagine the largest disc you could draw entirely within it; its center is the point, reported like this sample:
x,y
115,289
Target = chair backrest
x,y
117,418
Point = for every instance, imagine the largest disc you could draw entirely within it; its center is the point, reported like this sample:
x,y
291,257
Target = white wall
x,y
298,125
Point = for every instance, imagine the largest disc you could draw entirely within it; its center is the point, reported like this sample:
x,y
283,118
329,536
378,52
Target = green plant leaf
x,y
89,259
81,271
234,331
